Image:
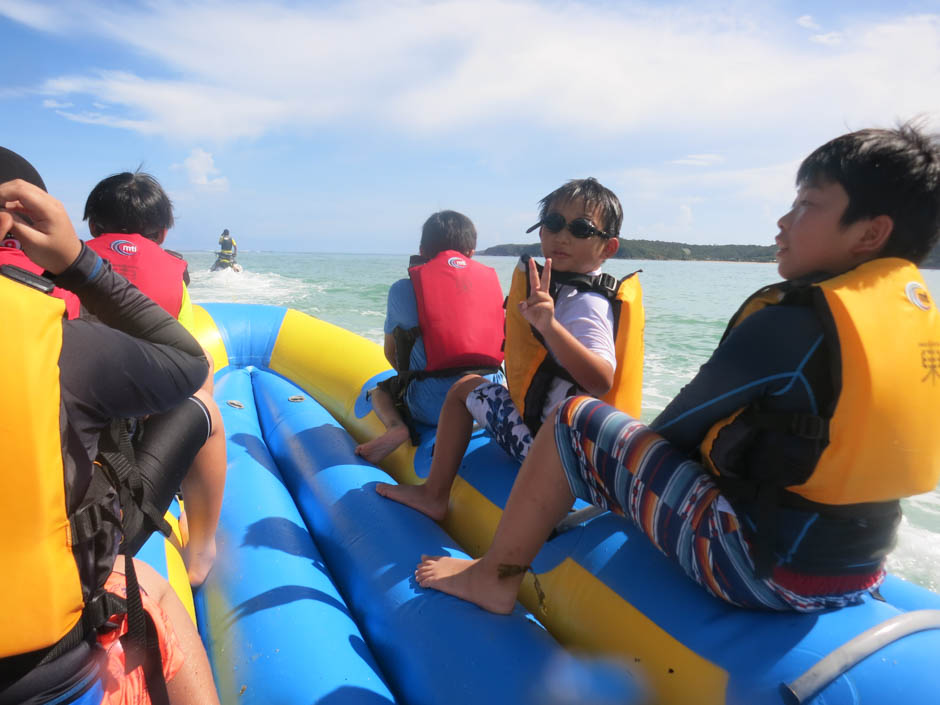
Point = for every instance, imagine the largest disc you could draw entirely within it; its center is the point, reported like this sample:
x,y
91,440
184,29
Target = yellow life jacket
x,y
43,544
530,369
878,439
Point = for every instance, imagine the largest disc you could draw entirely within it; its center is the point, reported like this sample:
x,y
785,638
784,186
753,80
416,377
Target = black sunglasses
x,y
581,228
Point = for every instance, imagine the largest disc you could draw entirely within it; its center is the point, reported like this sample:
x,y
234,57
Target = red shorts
x,y
131,688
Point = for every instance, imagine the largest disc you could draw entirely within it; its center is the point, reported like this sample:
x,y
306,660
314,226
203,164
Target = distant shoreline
x,y
682,252
658,250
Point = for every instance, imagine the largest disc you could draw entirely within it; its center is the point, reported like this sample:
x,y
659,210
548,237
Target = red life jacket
x,y
460,312
145,264
10,253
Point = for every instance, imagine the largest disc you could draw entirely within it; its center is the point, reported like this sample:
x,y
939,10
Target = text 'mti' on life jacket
x,y
146,265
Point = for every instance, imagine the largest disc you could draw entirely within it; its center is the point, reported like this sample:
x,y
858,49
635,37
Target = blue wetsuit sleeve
x,y
766,356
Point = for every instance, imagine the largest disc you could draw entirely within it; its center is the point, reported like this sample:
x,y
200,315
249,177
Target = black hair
x,y
13,166
594,196
892,172
129,203
448,230
225,233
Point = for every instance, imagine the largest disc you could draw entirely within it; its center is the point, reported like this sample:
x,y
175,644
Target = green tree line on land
x,y
656,249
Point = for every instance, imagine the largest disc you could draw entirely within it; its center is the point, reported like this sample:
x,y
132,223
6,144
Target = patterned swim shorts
x,y
618,463
492,408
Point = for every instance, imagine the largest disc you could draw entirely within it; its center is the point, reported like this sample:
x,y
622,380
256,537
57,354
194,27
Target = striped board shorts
x,y
616,462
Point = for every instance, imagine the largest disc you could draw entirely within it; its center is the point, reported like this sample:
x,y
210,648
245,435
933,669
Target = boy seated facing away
x,y
442,322
774,477
128,216
579,223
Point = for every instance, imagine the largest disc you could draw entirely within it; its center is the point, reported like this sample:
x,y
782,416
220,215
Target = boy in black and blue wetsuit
x,y
774,477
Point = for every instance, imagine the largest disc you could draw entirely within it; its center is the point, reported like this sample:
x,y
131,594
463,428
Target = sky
x,y
341,126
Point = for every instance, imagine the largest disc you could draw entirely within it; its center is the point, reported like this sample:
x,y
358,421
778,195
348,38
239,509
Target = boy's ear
x,y
610,247
875,237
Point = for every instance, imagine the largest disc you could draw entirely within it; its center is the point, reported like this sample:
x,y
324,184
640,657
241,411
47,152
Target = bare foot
x,y
417,497
470,580
375,450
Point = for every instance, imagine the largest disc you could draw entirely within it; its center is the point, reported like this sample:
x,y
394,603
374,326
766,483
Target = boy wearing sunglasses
x,y
773,479
578,227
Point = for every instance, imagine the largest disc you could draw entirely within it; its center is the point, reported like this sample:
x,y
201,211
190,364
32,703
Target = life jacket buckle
x,y
608,283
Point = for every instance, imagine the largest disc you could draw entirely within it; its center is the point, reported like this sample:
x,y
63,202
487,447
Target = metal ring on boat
x,y
296,397
235,404
851,652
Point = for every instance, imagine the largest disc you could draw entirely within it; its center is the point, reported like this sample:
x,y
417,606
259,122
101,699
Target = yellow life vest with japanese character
x,y
878,440
529,367
44,593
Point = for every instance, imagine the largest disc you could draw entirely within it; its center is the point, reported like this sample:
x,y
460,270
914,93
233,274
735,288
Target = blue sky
x,y
340,126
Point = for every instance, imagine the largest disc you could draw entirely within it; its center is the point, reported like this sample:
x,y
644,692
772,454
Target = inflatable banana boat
x,y
313,599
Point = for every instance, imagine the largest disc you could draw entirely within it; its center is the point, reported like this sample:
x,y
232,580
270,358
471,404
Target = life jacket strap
x,y
405,339
141,643
88,521
141,517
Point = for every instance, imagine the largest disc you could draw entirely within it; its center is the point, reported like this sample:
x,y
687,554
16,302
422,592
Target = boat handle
x,y
851,652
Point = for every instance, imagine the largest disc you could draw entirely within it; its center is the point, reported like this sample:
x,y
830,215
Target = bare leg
x,y
209,384
203,488
396,431
193,684
540,498
453,435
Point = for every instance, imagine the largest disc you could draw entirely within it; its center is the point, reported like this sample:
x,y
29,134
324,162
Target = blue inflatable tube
x,y
312,597
270,597
609,593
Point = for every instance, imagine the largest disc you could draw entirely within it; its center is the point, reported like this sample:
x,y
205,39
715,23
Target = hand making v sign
x,y
539,308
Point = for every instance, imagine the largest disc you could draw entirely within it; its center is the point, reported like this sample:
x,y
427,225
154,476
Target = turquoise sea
x,y
687,307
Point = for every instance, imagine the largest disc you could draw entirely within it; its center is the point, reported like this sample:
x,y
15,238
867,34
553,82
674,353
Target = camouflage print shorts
x,y
491,407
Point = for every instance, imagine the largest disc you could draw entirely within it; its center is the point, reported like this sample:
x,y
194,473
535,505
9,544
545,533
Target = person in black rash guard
x,y
790,376
137,360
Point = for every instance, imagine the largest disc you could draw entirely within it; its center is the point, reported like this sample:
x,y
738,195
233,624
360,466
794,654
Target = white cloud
x,y
829,39
200,165
54,104
807,22
721,196
220,71
41,16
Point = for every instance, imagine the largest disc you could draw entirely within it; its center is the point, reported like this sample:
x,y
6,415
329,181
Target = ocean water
x,y
687,307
